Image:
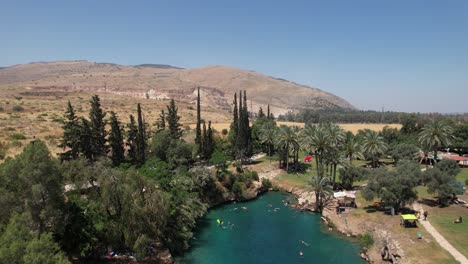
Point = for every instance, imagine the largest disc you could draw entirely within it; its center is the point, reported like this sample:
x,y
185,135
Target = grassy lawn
x,y
457,234
425,250
442,218
299,179
463,175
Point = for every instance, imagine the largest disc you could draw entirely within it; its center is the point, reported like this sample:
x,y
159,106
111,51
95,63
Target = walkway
x,y
439,238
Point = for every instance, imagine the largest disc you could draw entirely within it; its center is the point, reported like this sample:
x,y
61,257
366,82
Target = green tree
x,y
160,144
268,136
132,135
15,239
234,131
116,141
395,188
140,138
43,250
350,174
449,166
37,182
436,134
97,127
198,135
323,192
161,123
287,139
352,148
437,182
173,120
209,144
316,140
71,134
260,114
85,139
404,152
373,146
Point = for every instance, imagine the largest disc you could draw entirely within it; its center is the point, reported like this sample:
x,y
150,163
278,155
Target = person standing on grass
x,y
425,215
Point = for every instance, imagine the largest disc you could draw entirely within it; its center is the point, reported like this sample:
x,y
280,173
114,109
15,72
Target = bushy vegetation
x,y
17,136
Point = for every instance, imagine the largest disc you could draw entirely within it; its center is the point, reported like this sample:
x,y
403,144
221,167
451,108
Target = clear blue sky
x,y
404,55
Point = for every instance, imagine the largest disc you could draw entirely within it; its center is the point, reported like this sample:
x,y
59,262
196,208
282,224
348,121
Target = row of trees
x,y
346,116
126,188
331,147
89,137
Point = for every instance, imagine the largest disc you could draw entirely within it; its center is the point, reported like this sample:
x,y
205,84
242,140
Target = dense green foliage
x,y
395,188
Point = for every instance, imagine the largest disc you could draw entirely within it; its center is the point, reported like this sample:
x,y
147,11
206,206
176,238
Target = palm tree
x,y
286,138
316,140
323,191
373,145
336,136
352,148
436,134
268,135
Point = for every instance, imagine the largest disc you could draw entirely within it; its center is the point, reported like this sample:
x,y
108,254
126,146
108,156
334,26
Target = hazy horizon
x,y
409,57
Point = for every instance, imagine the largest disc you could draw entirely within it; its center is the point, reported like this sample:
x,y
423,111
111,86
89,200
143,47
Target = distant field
x,y
354,128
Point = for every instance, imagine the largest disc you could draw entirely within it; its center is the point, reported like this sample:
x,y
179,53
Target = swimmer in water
x,y
244,208
304,243
301,254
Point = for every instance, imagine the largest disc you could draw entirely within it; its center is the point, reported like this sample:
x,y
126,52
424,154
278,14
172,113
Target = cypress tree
x,y
140,138
97,126
85,139
132,139
209,142
71,134
116,141
247,141
173,121
161,123
204,139
198,136
260,113
268,111
240,139
235,122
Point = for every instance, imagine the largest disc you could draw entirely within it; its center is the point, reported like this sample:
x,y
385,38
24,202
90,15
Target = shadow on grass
x,y
372,209
429,202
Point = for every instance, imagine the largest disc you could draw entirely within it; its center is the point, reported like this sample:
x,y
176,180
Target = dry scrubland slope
x,y
218,84
33,96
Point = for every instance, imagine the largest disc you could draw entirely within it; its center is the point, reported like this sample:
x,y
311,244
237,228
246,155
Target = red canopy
x,y
455,157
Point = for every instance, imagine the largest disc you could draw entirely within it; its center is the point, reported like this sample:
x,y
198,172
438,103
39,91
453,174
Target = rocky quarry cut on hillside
x,y
155,81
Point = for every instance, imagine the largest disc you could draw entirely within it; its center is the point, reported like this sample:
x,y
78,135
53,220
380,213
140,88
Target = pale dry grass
x,y
42,114
354,128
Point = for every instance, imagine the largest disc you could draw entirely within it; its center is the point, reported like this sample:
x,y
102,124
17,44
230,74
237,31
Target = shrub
x,y
236,188
2,109
60,120
366,240
18,108
3,150
224,131
16,144
17,136
266,183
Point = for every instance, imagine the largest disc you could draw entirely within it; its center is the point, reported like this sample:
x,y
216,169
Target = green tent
x,y
409,217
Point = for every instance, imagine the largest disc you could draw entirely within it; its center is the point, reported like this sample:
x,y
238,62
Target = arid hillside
x,y
150,81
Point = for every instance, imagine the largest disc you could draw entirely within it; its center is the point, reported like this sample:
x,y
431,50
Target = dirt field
x,y
354,128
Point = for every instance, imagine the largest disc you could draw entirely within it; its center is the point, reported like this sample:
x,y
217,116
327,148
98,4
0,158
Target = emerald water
x,y
263,234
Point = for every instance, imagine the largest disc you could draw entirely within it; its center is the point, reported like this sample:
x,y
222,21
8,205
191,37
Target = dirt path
x,y
440,239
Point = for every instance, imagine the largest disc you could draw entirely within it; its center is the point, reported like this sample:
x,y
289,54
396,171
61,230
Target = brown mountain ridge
x,y
158,81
